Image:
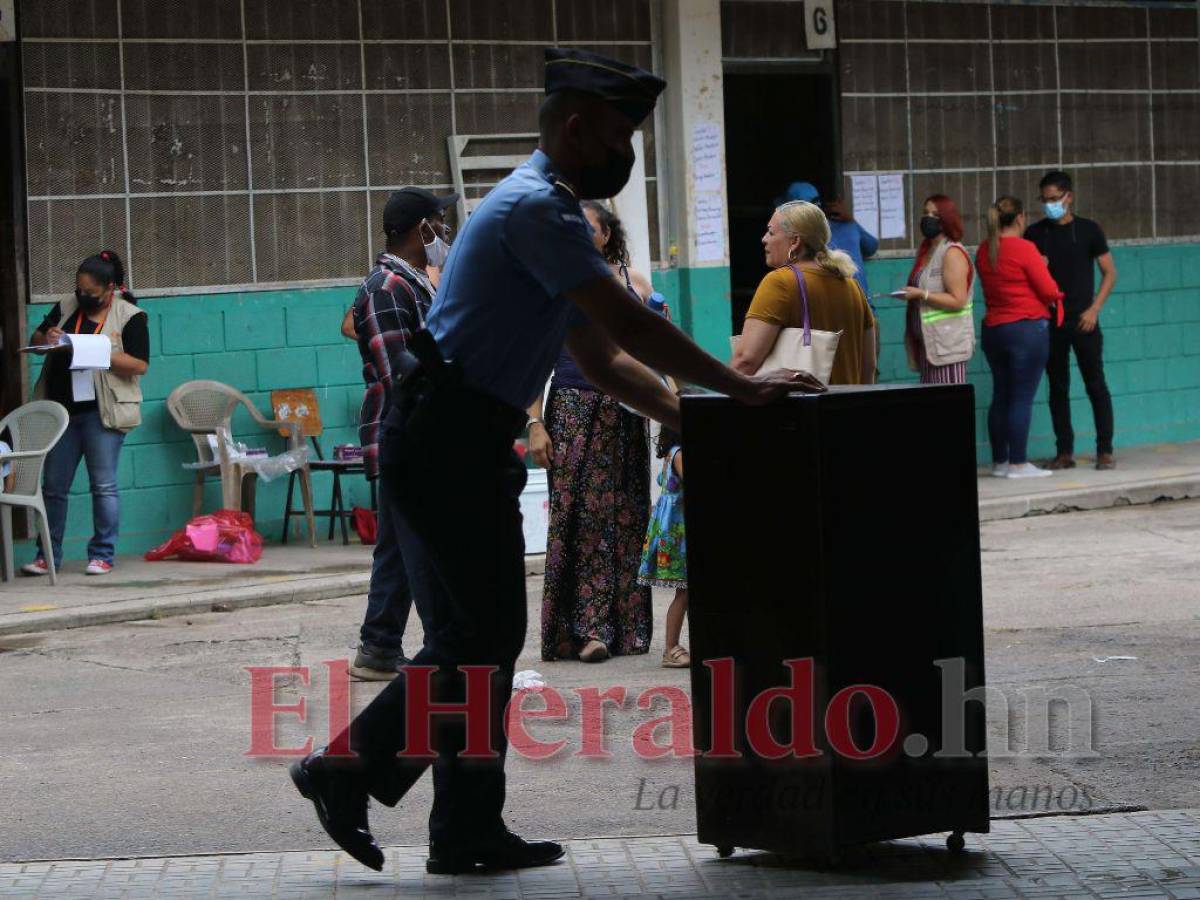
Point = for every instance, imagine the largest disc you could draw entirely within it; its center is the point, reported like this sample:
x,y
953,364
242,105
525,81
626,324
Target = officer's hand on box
x,y
767,387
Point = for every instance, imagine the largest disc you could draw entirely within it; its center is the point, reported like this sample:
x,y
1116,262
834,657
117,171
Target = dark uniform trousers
x,y
1089,353
456,483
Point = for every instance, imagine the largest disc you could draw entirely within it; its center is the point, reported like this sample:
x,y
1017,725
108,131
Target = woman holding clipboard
x,y
102,410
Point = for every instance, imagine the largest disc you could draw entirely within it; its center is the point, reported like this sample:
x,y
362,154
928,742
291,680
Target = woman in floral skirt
x,y
598,457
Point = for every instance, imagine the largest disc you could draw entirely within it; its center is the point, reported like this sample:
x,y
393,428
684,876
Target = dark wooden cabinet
x,y
842,529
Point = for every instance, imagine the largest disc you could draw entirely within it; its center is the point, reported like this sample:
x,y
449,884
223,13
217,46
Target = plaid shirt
x,y
385,315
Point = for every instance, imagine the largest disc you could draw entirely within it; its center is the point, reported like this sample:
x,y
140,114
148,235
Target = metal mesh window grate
x,y
225,143
975,100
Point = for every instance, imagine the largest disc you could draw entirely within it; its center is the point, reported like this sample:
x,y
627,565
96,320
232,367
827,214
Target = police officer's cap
x,y
408,206
631,90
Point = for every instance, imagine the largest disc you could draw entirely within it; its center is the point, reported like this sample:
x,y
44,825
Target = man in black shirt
x,y
1073,246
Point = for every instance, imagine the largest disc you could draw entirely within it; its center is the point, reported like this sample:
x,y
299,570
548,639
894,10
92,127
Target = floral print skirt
x,y
599,507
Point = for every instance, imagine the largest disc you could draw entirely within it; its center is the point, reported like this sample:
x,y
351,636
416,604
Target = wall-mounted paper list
x,y
892,216
706,157
710,226
864,195
88,353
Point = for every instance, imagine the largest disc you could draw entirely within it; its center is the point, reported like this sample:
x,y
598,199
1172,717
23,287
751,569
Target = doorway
x,y
780,126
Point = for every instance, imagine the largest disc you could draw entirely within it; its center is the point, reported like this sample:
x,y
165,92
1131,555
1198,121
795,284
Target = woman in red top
x,y
1021,296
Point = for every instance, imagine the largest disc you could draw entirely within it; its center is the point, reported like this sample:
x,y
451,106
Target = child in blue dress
x,y
664,555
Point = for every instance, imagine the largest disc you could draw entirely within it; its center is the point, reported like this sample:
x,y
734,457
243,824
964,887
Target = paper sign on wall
x,y
706,157
8,21
893,219
710,226
864,197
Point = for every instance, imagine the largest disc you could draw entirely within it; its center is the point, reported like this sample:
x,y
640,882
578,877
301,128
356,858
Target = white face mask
x,y
436,250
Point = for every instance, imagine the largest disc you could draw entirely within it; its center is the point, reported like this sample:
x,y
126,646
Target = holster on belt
x,y
422,357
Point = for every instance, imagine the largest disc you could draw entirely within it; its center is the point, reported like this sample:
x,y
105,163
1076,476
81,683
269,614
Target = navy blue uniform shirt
x,y
500,310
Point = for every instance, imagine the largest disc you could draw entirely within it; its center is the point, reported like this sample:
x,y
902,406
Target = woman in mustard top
x,y
798,234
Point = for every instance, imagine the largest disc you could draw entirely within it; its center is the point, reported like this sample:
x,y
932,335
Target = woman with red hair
x,y
940,332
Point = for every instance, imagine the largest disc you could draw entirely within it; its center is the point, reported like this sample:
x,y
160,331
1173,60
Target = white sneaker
x,y
1000,470
37,567
98,567
1027,470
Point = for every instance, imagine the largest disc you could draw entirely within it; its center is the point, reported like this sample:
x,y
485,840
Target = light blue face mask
x,y
1055,210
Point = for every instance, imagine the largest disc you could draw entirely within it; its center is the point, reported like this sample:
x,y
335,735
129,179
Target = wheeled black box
x,y
836,618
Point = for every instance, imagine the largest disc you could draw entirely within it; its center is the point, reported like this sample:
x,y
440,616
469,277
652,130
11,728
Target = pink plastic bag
x,y
225,536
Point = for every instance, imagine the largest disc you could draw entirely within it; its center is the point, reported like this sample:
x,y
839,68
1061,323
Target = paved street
x,y
128,739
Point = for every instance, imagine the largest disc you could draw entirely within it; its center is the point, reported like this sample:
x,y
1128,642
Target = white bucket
x,y
535,509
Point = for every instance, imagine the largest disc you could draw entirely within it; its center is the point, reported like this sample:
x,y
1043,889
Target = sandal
x,y
676,657
593,652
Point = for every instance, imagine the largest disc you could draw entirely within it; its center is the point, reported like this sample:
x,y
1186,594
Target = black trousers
x,y
1089,353
456,484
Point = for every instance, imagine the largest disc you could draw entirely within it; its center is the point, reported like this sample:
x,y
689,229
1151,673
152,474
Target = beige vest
x,y
949,336
119,398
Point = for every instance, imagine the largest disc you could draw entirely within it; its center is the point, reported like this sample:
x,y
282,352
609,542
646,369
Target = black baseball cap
x,y
408,206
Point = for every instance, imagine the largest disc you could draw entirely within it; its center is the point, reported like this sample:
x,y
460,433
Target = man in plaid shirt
x,y
390,305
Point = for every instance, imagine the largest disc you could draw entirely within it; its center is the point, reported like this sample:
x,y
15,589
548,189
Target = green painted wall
x,y
699,301
275,339
256,342
1151,347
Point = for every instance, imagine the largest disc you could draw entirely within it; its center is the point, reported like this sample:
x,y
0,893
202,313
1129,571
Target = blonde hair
x,y
1000,215
804,220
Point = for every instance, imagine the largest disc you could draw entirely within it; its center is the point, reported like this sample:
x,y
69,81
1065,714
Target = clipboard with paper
x,y
89,353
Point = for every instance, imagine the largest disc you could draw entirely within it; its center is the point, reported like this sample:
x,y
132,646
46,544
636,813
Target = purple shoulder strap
x,y
803,304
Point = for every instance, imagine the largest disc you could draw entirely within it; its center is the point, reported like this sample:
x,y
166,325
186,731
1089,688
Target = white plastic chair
x,y
35,428
206,408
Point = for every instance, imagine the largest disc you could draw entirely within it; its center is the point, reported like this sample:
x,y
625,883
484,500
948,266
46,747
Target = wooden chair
x,y
301,407
205,410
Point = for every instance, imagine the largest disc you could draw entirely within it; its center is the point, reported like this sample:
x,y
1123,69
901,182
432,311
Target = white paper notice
x,y
89,352
82,385
710,226
706,156
892,216
864,195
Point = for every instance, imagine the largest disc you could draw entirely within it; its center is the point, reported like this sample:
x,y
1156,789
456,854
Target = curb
x,y
1132,493
295,591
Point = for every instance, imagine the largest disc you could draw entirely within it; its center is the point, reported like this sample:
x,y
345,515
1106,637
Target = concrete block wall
x,y
256,342
1151,328
265,340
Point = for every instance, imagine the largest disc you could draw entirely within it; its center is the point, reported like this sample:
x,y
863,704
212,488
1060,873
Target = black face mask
x,y
931,226
88,302
605,180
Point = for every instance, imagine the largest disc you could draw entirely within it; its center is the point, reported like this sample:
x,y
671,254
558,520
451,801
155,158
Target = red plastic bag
x,y
365,524
225,536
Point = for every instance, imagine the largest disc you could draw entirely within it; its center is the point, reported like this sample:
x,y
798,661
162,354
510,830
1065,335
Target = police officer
x,y
522,277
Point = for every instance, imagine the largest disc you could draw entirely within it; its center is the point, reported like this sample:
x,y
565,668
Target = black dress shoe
x,y
508,851
340,798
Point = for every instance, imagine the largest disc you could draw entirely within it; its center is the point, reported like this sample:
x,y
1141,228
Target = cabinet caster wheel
x,y
955,842
724,852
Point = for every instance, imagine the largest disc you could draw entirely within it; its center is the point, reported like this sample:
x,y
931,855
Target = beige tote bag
x,y
802,348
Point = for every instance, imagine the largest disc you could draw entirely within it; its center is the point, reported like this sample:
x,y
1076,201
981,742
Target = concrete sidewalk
x,y
1143,475
1153,854
138,590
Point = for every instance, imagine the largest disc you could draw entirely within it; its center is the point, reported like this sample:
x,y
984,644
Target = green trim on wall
x,y
1151,327
259,341
699,299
